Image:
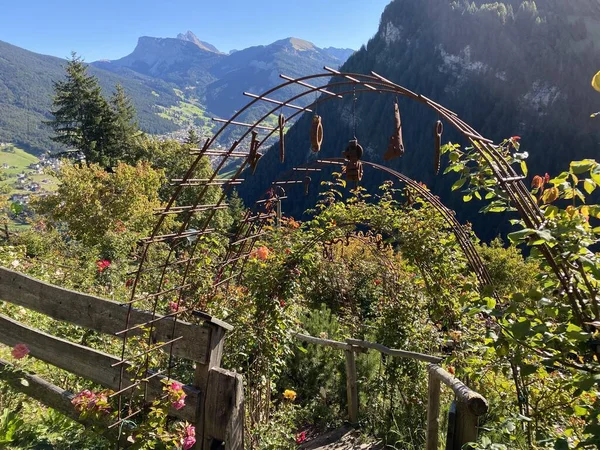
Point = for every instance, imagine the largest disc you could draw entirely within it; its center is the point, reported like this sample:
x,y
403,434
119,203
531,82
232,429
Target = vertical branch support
x,y
202,378
351,385
469,407
433,411
466,424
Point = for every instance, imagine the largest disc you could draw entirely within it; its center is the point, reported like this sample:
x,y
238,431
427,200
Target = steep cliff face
x,y
176,60
508,68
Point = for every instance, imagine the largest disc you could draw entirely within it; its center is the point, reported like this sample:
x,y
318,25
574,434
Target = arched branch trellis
x,y
337,85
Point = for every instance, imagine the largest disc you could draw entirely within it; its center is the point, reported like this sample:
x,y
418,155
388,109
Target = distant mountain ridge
x,y
173,82
191,63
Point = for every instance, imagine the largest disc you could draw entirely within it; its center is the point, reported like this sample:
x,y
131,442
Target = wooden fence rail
x,y
468,405
214,402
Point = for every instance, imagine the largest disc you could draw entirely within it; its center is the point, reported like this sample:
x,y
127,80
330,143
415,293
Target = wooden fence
x,y
214,401
464,413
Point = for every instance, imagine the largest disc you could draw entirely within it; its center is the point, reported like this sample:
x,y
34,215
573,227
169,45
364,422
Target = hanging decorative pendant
x,y
316,134
281,138
396,146
254,156
437,132
307,181
354,168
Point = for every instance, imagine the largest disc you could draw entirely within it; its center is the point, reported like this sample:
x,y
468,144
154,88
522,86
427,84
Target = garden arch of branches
x,y
337,86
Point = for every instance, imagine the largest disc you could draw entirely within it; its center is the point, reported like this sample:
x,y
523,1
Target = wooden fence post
x,y
201,375
469,406
224,410
351,386
433,411
466,425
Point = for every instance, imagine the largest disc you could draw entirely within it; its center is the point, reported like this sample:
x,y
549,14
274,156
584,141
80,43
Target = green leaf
x,y
524,168
582,166
543,237
528,369
595,173
579,411
518,236
589,185
491,303
521,328
460,183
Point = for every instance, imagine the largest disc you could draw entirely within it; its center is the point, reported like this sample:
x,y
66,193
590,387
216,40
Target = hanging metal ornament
x,y
437,133
396,146
307,181
354,168
281,138
316,134
254,156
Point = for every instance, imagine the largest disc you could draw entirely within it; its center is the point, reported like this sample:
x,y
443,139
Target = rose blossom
x,y
19,351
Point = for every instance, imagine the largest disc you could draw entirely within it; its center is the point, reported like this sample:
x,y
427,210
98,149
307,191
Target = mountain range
x,y
508,68
174,83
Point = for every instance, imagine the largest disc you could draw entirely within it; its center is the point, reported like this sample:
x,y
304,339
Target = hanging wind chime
x,y
281,138
354,152
437,132
396,146
254,156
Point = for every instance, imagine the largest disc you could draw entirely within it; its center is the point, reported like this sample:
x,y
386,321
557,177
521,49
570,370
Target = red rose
x,y
301,437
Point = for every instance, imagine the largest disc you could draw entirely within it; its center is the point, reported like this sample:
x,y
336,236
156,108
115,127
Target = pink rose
x,y
176,386
102,265
178,404
188,442
301,437
174,307
190,430
19,351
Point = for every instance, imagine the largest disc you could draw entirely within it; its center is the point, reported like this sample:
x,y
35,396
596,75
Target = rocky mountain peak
x,y
191,37
296,44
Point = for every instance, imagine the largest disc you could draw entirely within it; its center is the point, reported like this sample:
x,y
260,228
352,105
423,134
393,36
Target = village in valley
x,y
23,175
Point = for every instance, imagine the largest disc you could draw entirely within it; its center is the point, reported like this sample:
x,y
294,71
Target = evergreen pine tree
x,y
192,137
80,112
122,126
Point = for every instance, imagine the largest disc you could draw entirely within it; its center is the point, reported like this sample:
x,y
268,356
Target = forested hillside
x,y
26,92
173,82
517,68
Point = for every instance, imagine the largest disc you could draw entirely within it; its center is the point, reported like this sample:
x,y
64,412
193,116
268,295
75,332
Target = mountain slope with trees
x,y
518,68
26,89
165,78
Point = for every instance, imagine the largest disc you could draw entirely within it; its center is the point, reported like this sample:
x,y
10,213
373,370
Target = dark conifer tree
x,y
80,112
192,137
122,126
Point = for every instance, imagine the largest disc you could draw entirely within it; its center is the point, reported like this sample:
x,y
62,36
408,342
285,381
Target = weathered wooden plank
x,y
99,314
433,412
393,352
319,341
83,361
224,410
351,386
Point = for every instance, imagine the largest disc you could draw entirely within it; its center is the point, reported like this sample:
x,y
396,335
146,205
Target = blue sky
x,y
109,29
